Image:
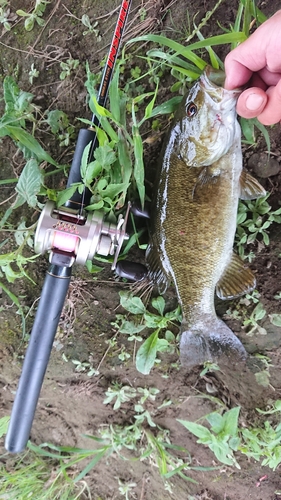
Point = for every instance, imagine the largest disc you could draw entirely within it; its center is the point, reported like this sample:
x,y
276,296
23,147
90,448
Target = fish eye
x,y
191,109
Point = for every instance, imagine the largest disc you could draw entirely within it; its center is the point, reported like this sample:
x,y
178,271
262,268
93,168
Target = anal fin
x,y
236,280
250,187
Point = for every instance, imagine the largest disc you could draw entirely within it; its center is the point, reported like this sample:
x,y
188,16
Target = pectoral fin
x,y
250,187
236,280
208,175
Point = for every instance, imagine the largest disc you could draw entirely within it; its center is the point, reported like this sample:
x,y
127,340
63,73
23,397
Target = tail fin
x,y
209,340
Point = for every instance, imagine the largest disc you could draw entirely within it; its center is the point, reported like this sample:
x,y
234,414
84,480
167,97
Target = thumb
x,y
251,102
272,111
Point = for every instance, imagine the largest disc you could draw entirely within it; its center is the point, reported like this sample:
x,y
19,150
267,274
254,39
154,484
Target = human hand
x,y
257,63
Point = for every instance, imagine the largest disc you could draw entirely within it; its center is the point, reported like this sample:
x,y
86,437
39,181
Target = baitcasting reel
x,y
80,236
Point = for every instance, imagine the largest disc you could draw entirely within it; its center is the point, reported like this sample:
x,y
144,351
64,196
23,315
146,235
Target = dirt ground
x,y
71,403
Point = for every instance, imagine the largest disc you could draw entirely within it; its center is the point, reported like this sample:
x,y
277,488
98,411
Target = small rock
x,y
263,166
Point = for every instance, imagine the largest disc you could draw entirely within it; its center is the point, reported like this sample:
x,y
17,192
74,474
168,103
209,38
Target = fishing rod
x,y
70,235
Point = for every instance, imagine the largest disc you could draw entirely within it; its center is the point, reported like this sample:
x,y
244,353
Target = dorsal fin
x,y
236,280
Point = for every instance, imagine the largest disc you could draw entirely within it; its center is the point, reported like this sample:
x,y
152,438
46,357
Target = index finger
x,y
241,62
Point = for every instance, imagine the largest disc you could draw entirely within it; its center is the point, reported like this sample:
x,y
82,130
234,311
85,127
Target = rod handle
x,y
37,357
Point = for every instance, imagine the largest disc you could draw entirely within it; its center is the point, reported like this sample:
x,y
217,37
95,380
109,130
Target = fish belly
x,y
196,227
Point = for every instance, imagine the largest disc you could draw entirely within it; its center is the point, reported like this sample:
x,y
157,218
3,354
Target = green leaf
x,y
28,141
234,442
198,430
159,304
248,129
112,190
105,155
124,157
146,354
132,304
17,102
10,274
167,107
177,47
275,319
93,170
100,110
57,120
29,23
114,95
99,454
29,182
22,13
265,133
4,422
92,268
222,453
150,106
175,62
130,328
139,165
231,421
66,194
216,422
154,321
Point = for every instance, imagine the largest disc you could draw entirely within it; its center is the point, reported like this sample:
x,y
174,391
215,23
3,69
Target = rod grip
x,y
37,357
85,136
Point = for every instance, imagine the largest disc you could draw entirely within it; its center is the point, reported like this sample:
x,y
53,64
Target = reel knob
x,y
131,270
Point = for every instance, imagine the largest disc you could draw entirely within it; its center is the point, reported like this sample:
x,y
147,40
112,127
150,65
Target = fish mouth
x,y
213,81
215,76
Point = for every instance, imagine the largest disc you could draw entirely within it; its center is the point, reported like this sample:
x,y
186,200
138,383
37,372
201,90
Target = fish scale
x,y
199,182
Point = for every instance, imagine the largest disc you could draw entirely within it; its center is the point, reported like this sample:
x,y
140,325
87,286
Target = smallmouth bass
x,y
194,211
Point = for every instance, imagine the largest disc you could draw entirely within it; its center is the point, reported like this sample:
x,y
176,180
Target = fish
x,y
198,185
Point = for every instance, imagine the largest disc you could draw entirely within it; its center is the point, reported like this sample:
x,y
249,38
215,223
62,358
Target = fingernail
x,y
254,102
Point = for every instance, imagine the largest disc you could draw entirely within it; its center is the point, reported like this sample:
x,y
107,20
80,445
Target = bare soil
x,y
71,403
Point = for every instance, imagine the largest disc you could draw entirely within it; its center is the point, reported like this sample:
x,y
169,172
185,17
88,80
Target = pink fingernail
x,y
254,102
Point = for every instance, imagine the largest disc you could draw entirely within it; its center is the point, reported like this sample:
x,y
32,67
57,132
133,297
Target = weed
x,y
120,393
253,221
146,354
5,16
58,122
275,318
68,67
209,367
35,15
250,310
257,314
91,28
263,376
263,443
225,437
85,20
125,488
33,73
222,438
